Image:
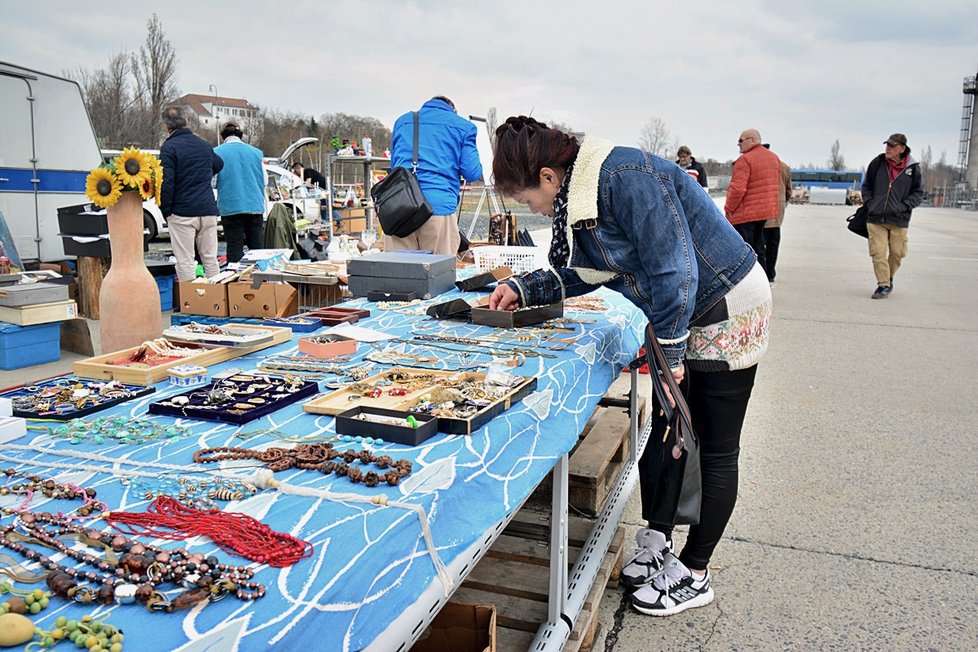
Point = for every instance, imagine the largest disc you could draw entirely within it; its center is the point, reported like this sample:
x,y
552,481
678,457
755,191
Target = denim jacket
x,y
643,227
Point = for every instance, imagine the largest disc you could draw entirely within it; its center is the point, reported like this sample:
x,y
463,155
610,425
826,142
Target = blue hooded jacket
x,y
241,184
446,153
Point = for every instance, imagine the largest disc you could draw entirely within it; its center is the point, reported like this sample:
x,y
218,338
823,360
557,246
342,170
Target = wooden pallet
x,y
515,577
601,452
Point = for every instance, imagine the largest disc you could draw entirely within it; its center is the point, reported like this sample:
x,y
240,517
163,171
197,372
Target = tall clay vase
x,y
129,302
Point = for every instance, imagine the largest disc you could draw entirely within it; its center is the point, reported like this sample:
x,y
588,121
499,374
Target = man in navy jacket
x,y
446,153
187,197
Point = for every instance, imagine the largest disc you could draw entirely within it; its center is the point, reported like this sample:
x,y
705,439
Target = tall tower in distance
x,y
968,148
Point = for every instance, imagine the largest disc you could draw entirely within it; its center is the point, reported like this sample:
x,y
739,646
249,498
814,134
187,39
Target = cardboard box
x,y
346,226
269,300
460,627
351,212
209,299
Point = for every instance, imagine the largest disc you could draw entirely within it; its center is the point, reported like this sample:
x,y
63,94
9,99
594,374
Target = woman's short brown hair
x,y
525,146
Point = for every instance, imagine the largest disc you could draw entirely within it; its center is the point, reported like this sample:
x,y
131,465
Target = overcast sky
x,y
803,73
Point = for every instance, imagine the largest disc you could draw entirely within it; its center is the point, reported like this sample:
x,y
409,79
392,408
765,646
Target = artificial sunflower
x,y
103,187
146,188
158,183
132,168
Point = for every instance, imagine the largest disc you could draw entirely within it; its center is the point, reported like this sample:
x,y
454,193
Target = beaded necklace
x,y
117,429
315,457
138,574
32,484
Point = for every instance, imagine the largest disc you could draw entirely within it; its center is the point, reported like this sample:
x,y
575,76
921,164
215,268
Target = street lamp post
x,y
217,132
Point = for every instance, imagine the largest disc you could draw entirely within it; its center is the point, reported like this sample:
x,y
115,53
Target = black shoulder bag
x,y
401,206
857,221
671,462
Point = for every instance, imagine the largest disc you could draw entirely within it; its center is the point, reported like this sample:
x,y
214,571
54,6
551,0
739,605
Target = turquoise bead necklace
x,y
117,430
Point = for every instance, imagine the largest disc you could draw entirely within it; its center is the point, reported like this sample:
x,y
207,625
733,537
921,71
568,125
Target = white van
x,y
47,149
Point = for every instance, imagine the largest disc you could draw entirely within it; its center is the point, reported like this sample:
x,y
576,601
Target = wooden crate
x,y
515,577
99,367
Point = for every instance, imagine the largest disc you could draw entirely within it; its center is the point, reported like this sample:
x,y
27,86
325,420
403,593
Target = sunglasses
x,y
744,140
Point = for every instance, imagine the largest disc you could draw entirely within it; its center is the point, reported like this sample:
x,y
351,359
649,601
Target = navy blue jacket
x,y
446,152
189,164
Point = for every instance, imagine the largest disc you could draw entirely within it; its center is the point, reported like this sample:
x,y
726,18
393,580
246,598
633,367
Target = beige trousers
x,y
187,231
439,235
883,237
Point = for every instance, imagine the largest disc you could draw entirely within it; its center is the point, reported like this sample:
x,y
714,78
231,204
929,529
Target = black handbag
x,y
401,206
672,486
857,221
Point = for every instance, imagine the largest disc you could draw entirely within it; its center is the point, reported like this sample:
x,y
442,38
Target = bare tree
x,y
155,71
836,160
654,137
108,98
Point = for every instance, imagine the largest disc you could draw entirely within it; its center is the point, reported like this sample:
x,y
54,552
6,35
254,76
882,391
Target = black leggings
x,y
717,403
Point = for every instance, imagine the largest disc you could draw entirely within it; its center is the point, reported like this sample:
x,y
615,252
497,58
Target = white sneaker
x,y
673,590
647,558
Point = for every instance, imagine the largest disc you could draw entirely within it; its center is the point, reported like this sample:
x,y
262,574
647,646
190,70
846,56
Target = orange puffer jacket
x,y
754,187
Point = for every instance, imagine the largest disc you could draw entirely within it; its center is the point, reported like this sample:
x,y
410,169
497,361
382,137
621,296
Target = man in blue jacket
x,y
446,153
186,197
240,193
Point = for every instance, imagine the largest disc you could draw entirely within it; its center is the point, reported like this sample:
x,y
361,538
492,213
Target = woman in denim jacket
x,y
640,225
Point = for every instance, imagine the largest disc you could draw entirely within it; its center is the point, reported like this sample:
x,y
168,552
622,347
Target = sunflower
x,y
146,188
158,182
103,187
131,167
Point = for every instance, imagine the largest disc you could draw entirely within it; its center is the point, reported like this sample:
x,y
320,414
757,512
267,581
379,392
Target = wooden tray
x,y
235,336
339,401
99,367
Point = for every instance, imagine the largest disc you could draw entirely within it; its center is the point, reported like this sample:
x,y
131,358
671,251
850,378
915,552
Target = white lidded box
x,y
187,375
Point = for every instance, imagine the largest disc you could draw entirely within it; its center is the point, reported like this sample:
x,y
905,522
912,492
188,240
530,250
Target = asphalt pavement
x,y
857,513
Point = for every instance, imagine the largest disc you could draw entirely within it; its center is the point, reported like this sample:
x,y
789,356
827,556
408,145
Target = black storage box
x,y
428,275
98,249
347,423
72,221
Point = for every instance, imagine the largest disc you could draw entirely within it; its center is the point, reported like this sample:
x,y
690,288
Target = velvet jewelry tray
x,y
131,392
194,410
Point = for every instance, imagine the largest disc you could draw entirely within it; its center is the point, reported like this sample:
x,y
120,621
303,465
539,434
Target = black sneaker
x,y
882,292
647,559
673,590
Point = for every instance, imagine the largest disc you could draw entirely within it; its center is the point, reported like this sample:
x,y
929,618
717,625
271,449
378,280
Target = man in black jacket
x,y
892,188
688,163
187,197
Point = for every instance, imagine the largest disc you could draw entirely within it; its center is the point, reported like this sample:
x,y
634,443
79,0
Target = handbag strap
x,y
414,161
659,367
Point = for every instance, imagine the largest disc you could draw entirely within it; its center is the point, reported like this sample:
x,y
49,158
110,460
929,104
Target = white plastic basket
x,y
518,259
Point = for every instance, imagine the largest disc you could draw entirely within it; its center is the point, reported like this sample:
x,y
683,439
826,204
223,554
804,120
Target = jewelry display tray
x,y
235,336
339,401
135,391
297,324
347,423
101,367
194,411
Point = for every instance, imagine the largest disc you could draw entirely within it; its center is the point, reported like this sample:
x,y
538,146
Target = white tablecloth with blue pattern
x,y
369,562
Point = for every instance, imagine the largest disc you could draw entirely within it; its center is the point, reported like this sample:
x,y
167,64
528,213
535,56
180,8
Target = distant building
x,y
212,112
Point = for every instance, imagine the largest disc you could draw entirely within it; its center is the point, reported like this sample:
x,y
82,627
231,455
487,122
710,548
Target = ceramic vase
x,y
129,301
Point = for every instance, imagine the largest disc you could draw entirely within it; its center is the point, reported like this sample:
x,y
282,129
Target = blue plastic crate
x,y
165,284
26,346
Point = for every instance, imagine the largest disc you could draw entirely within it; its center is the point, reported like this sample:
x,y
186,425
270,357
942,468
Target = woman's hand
x,y
678,373
504,298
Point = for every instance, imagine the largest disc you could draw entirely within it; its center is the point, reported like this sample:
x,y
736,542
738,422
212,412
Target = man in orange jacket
x,y
752,197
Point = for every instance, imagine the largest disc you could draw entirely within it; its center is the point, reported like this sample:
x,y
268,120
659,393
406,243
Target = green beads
x,y
117,430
